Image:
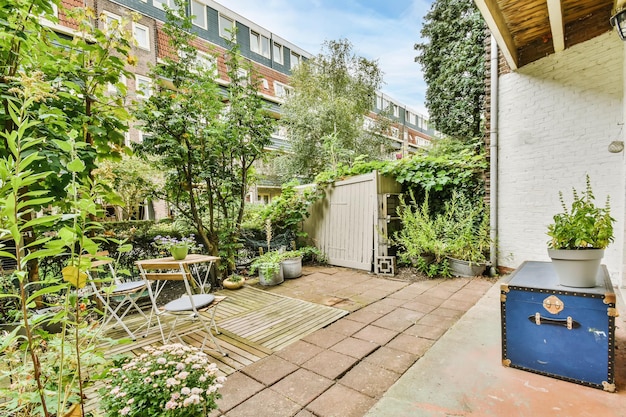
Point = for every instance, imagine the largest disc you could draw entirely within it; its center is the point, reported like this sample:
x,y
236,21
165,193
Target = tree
x,y
69,79
324,116
133,179
56,120
452,58
207,140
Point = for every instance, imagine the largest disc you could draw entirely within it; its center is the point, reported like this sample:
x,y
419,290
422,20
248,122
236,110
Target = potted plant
x,y
418,238
464,228
233,282
178,248
269,267
578,237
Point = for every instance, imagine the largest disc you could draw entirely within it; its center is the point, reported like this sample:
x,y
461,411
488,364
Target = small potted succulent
x,y
578,237
233,282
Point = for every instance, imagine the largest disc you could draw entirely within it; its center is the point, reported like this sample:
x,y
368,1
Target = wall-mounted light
x,y
616,146
618,20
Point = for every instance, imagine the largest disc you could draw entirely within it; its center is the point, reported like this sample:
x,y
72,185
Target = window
x,y
278,53
242,74
110,21
114,89
379,102
143,87
141,35
369,124
396,110
265,84
198,10
207,62
295,60
281,90
160,3
227,26
263,198
395,132
280,132
259,44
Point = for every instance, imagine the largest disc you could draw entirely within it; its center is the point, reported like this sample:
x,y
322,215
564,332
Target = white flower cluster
x,y
175,379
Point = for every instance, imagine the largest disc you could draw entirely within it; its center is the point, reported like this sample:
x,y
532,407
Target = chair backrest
x,y
107,263
156,271
160,272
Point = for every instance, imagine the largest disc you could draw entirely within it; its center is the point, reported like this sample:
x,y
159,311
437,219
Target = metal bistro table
x,y
157,272
191,265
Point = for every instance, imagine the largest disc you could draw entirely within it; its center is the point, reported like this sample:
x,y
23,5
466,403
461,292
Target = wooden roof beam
x,y
555,13
497,25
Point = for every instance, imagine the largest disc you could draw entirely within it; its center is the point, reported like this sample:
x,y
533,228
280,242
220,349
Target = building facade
x,y
557,110
272,57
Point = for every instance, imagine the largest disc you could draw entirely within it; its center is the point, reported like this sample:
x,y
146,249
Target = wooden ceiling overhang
x,y
527,30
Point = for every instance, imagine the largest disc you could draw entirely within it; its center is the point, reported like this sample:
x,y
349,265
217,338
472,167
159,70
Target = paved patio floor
x,y
427,348
344,369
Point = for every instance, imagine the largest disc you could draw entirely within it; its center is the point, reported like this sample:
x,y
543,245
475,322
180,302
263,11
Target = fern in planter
x,y
268,263
419,236
466,229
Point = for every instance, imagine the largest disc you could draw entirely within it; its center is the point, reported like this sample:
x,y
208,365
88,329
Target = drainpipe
x,y
493,154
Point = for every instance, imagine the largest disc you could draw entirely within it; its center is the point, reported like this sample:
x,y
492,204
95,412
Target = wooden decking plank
x,y
255,317
298,326
250,346
287,323
257,320
262,323
280,343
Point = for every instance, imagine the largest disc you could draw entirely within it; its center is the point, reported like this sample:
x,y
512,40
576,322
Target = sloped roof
x,y
527,30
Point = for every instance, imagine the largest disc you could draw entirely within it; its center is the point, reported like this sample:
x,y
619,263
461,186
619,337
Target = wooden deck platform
x,y
253,324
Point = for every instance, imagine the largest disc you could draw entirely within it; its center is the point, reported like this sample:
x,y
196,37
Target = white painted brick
x,y
557,117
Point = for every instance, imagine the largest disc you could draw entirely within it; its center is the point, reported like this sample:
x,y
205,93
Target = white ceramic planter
x,y
577,268
292,268
276,278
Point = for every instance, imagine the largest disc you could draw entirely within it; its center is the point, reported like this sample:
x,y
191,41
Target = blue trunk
x,y
559,331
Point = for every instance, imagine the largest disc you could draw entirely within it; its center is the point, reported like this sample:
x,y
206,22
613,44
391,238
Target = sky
x,y
382,30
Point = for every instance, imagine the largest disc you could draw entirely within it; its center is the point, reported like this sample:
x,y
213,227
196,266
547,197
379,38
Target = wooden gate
x,y
343,225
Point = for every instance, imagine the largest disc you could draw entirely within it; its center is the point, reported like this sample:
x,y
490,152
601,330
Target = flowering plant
x,y
167,242
172,380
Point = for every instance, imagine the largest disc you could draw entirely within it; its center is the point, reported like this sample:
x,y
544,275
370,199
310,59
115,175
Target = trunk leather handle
x,y
567,322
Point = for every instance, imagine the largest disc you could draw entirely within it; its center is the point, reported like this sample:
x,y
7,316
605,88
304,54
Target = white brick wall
x,y
557,117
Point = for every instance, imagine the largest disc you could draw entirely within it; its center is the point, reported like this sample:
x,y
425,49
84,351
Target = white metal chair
x,y
189,306
118,297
